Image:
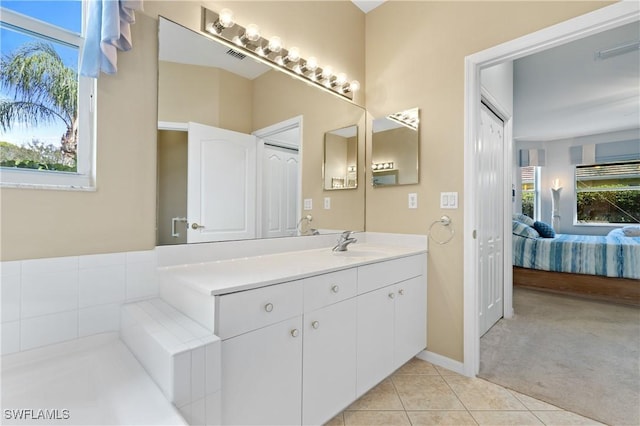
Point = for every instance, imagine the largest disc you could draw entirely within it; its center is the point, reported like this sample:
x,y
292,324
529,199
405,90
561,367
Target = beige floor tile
x,y
478,394
507,418
422,392
382,397
417,366
336,421
371,418
445,418
445,372
534,404
563,418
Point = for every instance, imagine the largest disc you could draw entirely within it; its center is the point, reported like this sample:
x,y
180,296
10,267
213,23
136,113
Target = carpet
x,y
577,354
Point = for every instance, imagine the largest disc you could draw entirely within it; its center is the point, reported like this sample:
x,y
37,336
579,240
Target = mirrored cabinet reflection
x,y
341,158
394,153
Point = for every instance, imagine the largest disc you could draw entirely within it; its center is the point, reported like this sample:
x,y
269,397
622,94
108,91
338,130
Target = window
x,y
530,177
608,193
46,109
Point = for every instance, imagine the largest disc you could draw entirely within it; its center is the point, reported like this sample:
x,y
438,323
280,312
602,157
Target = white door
x,y
280,171
490,219
262,376
221,182
329,362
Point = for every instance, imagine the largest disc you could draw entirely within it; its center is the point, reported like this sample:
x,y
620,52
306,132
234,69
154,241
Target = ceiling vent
x,y
235,54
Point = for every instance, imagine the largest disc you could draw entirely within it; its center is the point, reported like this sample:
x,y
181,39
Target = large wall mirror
x,y
241,146
394,149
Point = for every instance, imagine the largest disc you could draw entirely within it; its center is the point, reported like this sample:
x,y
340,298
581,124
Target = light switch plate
x,y
448,200
327,203
308,204
413,200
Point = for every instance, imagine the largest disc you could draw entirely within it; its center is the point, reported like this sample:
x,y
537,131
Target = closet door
x,y
221,194
280,172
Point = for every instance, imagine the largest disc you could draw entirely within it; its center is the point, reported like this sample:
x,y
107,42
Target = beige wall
x,y
399,145
425,68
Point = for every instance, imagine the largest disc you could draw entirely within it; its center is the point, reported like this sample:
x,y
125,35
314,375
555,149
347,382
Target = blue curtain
x,y
108,30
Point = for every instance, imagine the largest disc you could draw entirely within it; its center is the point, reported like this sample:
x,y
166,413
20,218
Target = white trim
x,y
442,361
600,20
173,125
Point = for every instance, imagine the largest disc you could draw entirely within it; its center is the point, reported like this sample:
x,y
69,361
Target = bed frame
x,y
609,289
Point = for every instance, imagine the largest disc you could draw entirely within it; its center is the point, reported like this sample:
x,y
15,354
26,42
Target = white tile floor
x,y
420,393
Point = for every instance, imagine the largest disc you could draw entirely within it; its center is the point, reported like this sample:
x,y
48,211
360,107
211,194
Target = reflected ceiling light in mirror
x,y
408,118
273,51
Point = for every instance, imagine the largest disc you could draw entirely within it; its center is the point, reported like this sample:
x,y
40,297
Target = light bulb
x,y
297,69
327,71
226,18
341,78
354,86
293,55
312,63
252,33
275,44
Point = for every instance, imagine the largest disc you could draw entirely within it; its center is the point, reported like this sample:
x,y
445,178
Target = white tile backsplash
x,y
198,372
49,265
10,337
100,285
48,329
213,409
10,268
48,293
98,319
142,280
10,297
98,260
213,367
50,300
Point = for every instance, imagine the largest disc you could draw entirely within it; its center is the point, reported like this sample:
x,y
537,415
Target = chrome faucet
x,y
344,241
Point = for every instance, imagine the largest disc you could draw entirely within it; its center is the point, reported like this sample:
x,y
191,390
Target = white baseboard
x,y
442,361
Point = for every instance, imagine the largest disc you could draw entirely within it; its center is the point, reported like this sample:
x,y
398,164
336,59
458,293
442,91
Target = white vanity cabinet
x,y
300,351
391,325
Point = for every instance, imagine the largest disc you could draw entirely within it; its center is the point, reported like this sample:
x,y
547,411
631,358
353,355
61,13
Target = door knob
x,y
401,292
268,307
195,226
335,288
392,295
294,332
315,324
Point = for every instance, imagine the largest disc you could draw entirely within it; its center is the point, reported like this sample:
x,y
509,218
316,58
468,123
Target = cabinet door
x,y
375,337
410,319
329,363
262,376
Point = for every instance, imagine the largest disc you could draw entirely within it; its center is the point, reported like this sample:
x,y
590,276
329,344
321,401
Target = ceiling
x,y
367,5
565,92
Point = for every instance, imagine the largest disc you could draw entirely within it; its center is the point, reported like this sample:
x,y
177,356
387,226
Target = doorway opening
x,y
583,26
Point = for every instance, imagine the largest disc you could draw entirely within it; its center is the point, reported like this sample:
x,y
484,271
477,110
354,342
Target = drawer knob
x,y
295,332
335,288
401,292
315,324
392,295
268,307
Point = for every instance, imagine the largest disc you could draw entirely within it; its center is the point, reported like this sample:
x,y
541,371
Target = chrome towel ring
x,y
446,222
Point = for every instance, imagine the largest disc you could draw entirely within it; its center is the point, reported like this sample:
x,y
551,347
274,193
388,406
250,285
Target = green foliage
x,y
527,203
609,206
36,155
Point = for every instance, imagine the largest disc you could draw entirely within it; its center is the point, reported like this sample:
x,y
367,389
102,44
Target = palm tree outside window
x,y
44,134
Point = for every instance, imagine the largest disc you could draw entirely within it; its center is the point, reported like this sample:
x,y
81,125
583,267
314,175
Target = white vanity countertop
x,y
228,276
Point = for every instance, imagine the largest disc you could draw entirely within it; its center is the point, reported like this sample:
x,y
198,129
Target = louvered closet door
x,y
490,218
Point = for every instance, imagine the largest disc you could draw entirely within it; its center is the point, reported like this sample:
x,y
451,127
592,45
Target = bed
x,y
599,267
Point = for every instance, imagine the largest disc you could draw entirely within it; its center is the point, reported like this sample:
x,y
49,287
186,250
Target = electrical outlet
x,y
308,204
327,203
413,200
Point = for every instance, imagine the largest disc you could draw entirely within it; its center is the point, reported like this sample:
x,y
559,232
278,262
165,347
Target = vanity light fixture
x,y
223,27
408,118
387,165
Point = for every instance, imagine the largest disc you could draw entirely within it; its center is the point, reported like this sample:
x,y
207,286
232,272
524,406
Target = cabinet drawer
x,y
377,275
241,312
326,289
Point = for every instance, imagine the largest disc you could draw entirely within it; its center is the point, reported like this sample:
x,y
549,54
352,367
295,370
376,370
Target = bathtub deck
x,y
96,379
